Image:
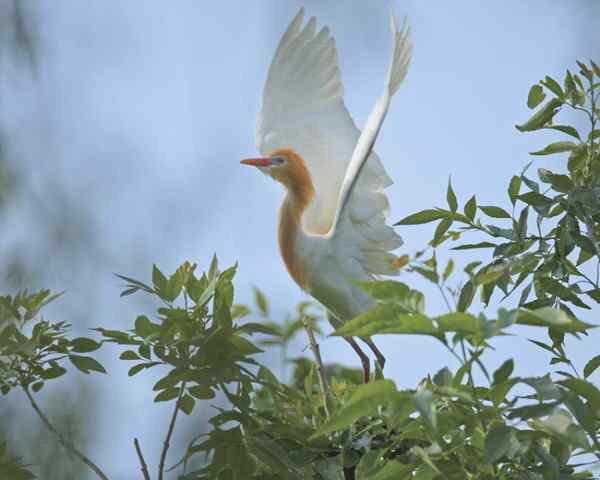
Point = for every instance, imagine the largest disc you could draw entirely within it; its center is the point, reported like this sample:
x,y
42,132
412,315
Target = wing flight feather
x,y
303,109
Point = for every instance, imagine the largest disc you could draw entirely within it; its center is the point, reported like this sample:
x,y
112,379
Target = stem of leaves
x,y
62,440
167,442
140,455
314,346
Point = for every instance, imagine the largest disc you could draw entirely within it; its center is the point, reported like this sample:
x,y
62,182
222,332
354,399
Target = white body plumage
x,y
333,228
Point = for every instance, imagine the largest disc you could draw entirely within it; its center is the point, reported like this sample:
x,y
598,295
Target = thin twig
x,y
314,346
441,289
62,440
140,455
167,442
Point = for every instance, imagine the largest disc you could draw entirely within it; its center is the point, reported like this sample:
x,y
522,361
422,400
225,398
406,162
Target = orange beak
x,y
257,162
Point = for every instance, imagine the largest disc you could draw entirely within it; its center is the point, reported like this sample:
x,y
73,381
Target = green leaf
x,y
423,400
441,229
202,392
36,387
252,327
243,347
144,327
214,267
494,212
144,351
53,372
84,345
489,274
386,290
472,246
591,366
129,355
424,216
261,302
553,86
174,286
471,208
139,367
561,425
544,387
552,317
565,129
556,147
364,402
535,199
458,322
560,183
499,442
499,391
448,270
536,96
186,404
541,117
533,411
554,287
514,188
430,275
451,198
503,373
273,455
167,394
584,389
467,293
158,279
393,470
86,364
387,319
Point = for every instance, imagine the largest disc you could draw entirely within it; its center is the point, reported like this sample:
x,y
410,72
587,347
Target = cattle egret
x,y
332,230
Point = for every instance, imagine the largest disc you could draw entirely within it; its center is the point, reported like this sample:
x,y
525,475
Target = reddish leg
x,y
376,351
363,359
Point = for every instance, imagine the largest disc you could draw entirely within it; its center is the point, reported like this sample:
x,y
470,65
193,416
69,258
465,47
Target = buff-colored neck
x,y
300,192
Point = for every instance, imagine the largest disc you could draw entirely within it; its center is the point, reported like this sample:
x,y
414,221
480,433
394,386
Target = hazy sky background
x,y
139,114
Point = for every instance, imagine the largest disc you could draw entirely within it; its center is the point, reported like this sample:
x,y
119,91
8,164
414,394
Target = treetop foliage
x,y
469,422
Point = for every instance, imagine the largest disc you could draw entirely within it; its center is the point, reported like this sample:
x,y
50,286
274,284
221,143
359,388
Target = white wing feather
x,y
357,197
303,109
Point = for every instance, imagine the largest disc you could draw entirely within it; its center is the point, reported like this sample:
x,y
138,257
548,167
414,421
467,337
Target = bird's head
x,y
286,167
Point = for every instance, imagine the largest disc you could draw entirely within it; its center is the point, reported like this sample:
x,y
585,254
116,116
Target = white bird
x,y
332,223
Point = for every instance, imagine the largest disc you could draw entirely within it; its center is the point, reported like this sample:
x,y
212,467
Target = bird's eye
x,y
277,160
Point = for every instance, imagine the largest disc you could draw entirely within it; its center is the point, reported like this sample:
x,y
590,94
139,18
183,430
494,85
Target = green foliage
x,y
197,334
31,355
12,467
467,422
551,228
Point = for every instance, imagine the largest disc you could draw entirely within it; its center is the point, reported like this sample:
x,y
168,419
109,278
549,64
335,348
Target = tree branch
x,y
140,455
62,440
163,455
314,346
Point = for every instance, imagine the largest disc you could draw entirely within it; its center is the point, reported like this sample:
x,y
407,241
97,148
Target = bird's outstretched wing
x,y
303,109
359,221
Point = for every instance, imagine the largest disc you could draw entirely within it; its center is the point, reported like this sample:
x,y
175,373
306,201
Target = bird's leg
x,y
376,351
364,359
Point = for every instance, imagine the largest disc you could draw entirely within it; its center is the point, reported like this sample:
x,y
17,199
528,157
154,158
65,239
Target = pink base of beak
x,y
257,162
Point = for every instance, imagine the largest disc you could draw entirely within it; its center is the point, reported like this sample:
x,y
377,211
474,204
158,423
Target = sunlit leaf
x,y
424,216
556,147
536,96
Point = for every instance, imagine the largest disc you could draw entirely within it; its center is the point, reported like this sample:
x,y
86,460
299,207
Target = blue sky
x,y
142,110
